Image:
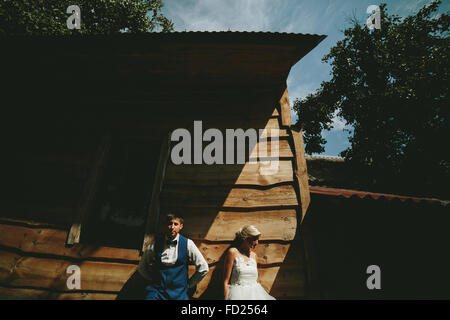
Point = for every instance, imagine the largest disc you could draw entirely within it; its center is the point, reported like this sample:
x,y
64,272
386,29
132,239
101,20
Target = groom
x,y
165,264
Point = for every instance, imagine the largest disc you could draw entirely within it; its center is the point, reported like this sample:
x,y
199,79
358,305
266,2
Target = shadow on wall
x,y
289,276
134,288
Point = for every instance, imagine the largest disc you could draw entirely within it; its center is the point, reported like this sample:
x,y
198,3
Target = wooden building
x,y
89,122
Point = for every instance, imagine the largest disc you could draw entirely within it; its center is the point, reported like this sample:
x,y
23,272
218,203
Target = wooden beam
x,y
18,270
40,294
90,190
300,171
284,149
285,109
278,197
268,253
154,206
215,225
233,174
49,241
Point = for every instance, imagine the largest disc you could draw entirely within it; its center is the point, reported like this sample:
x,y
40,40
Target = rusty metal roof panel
x,y
346,193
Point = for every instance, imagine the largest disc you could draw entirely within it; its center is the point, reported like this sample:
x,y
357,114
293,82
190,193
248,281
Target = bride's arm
x,y
229,259
255,257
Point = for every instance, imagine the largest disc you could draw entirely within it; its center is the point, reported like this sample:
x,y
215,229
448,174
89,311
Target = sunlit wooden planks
x,y
51,242
285,109
280,197
273,149
284,279
28,271
234,174
44,241
217,225
39,294
268,253
273,225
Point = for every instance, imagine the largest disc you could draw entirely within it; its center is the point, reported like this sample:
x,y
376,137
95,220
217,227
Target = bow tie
x,y
171,242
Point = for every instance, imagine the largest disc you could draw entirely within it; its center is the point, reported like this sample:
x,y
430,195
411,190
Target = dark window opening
x,y
119,211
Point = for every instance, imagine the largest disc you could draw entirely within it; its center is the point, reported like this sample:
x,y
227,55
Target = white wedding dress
x,y
243,284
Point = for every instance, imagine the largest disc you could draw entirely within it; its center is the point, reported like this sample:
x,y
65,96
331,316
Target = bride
x,y
241,273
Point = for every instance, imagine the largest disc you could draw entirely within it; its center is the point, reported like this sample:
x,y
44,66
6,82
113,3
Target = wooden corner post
x,y
285,109
154,206
90,189
300,170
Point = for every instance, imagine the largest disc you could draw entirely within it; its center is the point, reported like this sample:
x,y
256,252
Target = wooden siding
x,y
216,201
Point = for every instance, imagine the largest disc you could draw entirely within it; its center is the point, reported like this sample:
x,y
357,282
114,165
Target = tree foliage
x,y
391,86
48,17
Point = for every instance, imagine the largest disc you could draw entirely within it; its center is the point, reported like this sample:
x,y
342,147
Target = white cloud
x,y
219,15
252,15
338,124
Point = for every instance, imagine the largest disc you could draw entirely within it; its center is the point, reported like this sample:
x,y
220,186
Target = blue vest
x,y
172,281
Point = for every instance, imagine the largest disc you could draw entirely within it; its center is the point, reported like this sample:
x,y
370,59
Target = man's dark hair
x,y
174,214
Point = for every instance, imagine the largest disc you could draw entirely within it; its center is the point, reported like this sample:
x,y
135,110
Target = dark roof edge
x,y
288,39
347,193
176,33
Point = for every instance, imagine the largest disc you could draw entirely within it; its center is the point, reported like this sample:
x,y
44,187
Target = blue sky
x,y
329,17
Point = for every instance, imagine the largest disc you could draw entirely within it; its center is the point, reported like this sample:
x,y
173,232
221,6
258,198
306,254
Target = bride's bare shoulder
x,y
232,252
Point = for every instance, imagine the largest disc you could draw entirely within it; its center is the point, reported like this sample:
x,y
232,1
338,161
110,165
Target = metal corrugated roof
x,y
281,38
328,158
364,194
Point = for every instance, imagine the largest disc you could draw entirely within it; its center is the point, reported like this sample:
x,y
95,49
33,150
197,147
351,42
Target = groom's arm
x,y
201,266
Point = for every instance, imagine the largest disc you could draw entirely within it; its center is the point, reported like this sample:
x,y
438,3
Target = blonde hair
x,y
247,231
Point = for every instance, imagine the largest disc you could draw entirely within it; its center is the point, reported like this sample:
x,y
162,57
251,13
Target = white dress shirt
x,y
169,257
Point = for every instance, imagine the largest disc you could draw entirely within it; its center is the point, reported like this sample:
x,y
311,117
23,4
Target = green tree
x,y
48,17
391,86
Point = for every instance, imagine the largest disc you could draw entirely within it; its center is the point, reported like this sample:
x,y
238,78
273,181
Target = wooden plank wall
x,y
53,169
216,201
34,261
